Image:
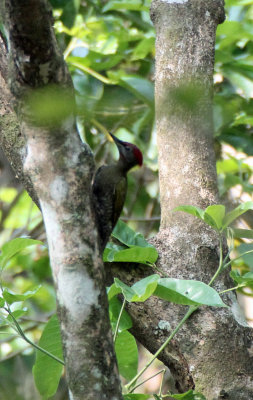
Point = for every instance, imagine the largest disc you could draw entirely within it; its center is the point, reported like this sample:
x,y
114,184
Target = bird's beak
x,y
117,141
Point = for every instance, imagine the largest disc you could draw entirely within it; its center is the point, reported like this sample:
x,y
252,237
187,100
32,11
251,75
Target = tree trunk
x,y
214,344
59,168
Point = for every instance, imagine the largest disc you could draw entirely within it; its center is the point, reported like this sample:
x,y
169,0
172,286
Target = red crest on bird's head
x,y
128,151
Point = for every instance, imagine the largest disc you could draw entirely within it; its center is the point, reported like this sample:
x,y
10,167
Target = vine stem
x,y
187,315
237,258
118,321
29,341
220,262
148,379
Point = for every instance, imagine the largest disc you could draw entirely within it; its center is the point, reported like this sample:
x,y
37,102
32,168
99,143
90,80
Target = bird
x,y
109,188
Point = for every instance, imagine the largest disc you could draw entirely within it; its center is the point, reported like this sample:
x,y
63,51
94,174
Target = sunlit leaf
x,y
140,291
47,371
187,292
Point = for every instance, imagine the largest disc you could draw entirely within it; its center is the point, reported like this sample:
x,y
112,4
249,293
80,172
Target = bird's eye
x,y
128,148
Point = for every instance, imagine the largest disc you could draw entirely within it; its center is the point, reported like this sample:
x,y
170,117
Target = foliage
x,y
109,49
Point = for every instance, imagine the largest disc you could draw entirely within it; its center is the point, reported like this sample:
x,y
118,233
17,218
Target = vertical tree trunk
x,y
212,346
60,168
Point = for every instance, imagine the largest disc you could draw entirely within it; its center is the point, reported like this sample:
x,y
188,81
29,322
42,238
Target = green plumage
x,y
110,188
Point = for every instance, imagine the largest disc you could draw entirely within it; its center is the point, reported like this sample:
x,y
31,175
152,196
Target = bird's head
x,y
129,154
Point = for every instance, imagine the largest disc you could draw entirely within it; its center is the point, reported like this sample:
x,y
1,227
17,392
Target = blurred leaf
x,y
232,215
247,258
124,5
2,302
243,233
50,106
17,314
127,355
143,48
187,292
11,297
140,291
245,280
46,371
136,396
11,248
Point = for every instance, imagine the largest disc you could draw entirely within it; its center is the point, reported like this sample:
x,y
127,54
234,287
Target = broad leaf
x,y
47,371
127,355
128,236
140,291
143,255
214,215
187,292
196,211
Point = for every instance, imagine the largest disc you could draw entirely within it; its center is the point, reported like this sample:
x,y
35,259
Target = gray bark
x,y
212,346
213,351
59,169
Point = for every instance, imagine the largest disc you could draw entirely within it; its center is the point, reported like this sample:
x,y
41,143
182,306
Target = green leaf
x,y
140,291
136,396
142,88
11,248
242,233
135,5
143,48
246,279
143,255
232,215
11,297
214,215
112,291
247,258
114,310
127,355
190,395
187,292
196,211
2,302
128,236
46,371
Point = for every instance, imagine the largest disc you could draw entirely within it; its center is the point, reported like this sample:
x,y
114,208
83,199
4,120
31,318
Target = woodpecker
x,y
110,187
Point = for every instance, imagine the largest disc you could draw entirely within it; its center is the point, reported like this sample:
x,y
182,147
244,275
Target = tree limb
x,y
60,168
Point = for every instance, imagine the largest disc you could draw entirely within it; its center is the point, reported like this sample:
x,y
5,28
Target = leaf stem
x,y
29,341
146,380
220,262
118,321
233,288
237,258
187,315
